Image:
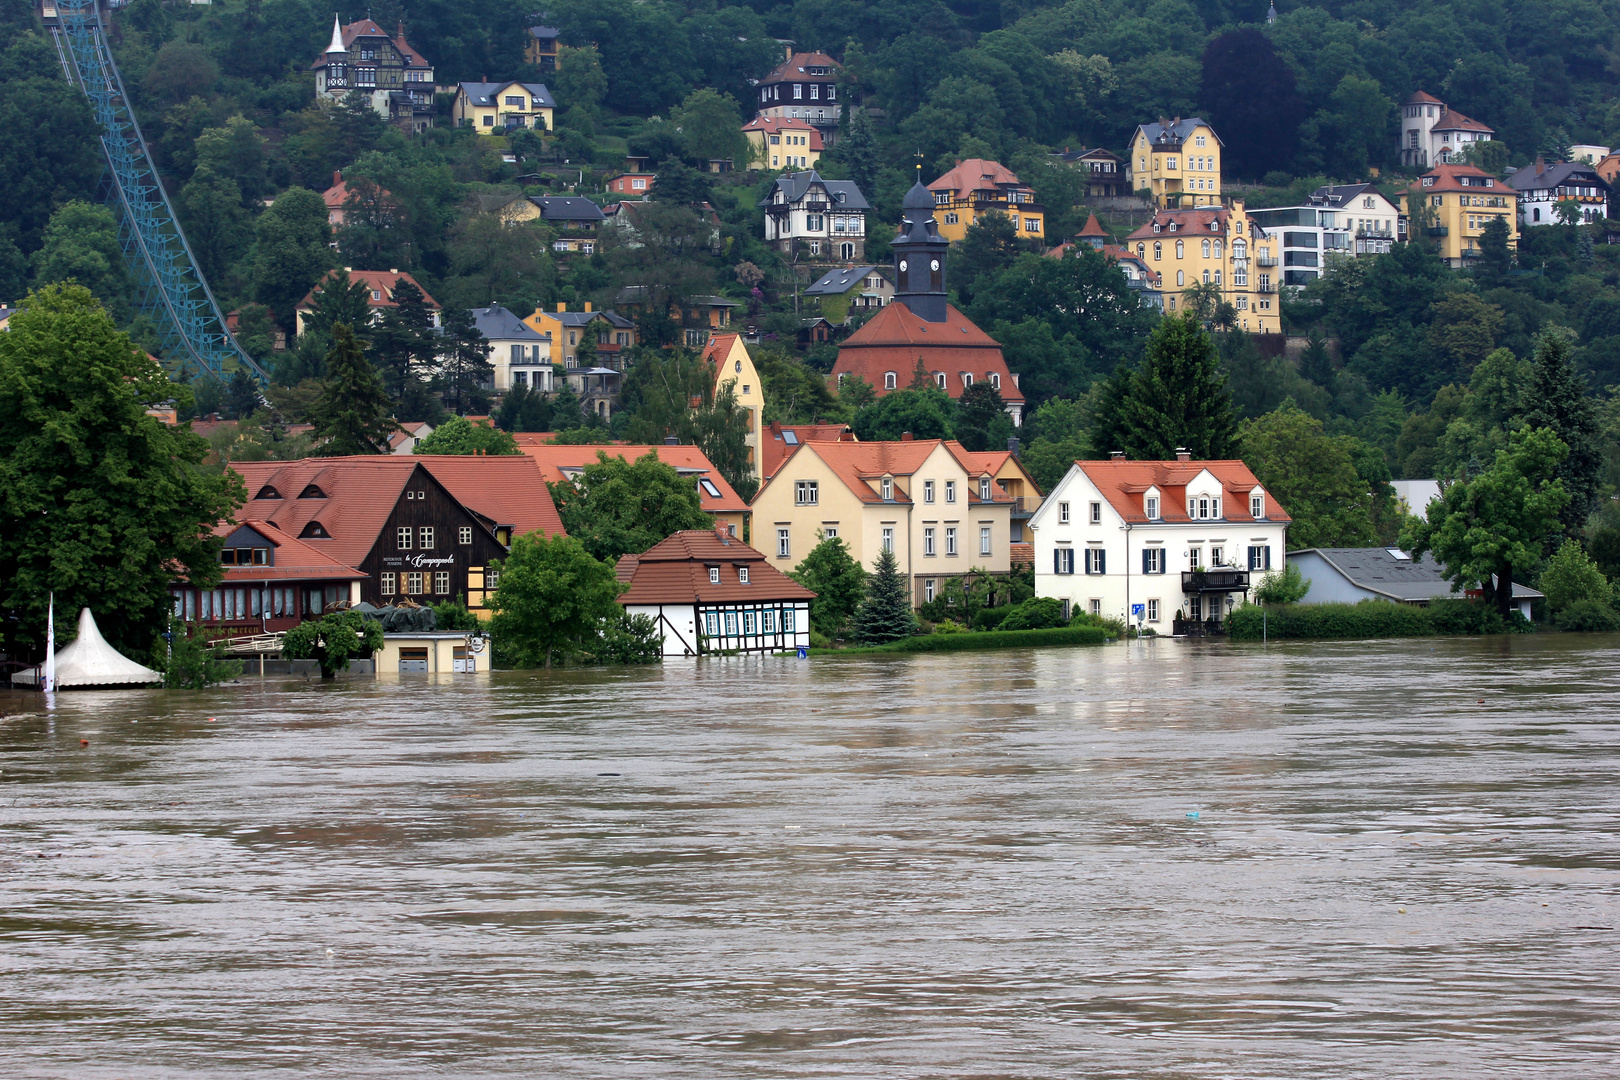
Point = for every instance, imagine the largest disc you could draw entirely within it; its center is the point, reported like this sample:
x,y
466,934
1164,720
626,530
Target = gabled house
x,y
709,592
1371,221
1433,134
381,285
844,292
272,581
1221,245
1105,172
520,354
634,184
337,199
778,440
396,78
1142,540
716,497
940,516
783,144
1009,474
1178,162
611,332
511,209
700,317
804,87
734,368
427,528
409,434
1455,203
811,218
493,107
1541,187
576,219
540,48
977,187
921,329
1351,575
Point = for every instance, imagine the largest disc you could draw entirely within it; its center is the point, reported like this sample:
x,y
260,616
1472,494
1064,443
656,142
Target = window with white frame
x,y
403,537
1153,560
829,532
939,379
1096,513
714,575
950,491
1096,605
1063,560
783,550
1153,611
742,575
984,539
888,489
928,491
995,380
1151,504
427,537
1096,560
984,489
950,541
767,621
748,623
787,620
928,540
1260,557
1063,513
464,534
731,624
888,380
888,538
1257,505
711,623
806,492
928,590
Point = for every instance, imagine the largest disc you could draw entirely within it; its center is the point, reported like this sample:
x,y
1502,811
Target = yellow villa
x,y
941,515
1178,161
1214,245
734,367
1452,204
977,187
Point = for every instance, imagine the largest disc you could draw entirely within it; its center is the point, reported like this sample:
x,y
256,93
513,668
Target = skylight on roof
x,y
708,488
791,438
1397,553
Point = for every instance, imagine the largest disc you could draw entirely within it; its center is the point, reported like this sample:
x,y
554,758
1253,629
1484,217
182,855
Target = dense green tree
x,y
710,127
523,409
353,415
1495,260
338,299
236,150
925,414
1496,523
1571,576
553,596
1312,475
100,502
81,244
1250,96
885,613
180,70
498,263
838,581
988,246
580,82
1557,400
333,639
464,367
49,153
215,221
859,153
617,507
458,435
794,392
290,252
1057,433
1176,398
977,412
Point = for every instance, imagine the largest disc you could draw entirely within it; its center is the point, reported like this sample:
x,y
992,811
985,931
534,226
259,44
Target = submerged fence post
x,y
1263,631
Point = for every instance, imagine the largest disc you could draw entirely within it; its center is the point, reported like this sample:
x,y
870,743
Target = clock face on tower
x,y
902,266
934,265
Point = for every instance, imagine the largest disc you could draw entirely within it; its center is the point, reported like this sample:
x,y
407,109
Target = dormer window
x,y
742,575
888,490
1257,505
312,492
714,575
984,489
1151,504
268,492
314,531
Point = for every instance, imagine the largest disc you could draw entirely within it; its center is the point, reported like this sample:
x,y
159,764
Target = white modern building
x,y
1142,540
1433,134
1339,221
520,354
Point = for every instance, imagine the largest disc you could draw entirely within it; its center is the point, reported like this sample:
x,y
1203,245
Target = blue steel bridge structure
x,y
170,288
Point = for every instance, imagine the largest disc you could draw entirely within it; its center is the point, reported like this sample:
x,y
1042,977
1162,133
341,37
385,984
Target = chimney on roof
x,y
1116,455
587,306
906,436
561,308
670,440
337,177
393,269
723,531
1541,164
1012,445
1183,454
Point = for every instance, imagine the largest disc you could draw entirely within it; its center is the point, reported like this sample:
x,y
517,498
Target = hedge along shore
x,y
990,639
1368,619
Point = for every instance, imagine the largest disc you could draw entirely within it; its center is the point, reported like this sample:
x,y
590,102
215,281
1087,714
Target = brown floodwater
x,y
1404,864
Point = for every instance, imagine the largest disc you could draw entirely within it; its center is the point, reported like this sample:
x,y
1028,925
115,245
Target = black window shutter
x,y
1057,560
1147,561
1102,561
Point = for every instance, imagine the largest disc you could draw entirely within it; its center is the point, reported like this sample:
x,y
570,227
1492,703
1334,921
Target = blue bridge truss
x,y
170,288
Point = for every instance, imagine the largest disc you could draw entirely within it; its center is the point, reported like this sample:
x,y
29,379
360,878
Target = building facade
x,y
520,355
783,144
540,48
977,187
396,78
380,286
1452,204
734,369
1178,162
1541,187
810,218
804,87
852,290
1106,176
1223,246
1432,134
1171,536
502,106
272,581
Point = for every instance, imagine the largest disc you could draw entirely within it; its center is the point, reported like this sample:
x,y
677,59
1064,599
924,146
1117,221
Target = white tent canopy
x,y
90,661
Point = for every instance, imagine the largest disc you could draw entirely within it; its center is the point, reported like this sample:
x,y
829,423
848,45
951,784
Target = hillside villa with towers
x,y
921,330
397,79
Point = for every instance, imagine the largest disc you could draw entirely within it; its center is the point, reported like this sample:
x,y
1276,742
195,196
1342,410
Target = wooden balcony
x,y
1214,581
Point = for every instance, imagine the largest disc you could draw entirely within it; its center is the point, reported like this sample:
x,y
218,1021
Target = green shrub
x,y
1000,639
950,626
1571,576
1369,619
818,640
991,617
1036,613
1114,627
1285,586
191,662
1587,617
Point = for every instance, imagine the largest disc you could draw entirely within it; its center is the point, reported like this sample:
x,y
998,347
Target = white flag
x,y
50,646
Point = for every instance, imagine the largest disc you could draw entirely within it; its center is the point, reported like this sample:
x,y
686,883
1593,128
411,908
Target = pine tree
x,y
859,150
1494,258
353,413
1178,397
886,613
1558,400
1315,363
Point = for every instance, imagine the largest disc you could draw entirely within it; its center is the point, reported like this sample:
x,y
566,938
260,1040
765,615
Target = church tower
x,y
919,257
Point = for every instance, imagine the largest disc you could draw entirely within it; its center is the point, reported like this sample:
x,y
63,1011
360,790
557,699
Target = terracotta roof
x,y
1021,554
295,560
780,440
1123,482
976,174
335,196
978,462
793,69
718,348
856,463
409,53
895,338
379,281
1093,228
553,459
1452,120
1192,219
676,571
361,492
1420,98
1449,178
777,125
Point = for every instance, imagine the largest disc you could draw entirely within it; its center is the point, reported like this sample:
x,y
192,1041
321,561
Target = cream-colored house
x,y
733,365
1178,161
496,107
940,514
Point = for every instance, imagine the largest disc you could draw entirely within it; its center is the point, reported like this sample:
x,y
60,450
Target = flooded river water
x,y
1405,863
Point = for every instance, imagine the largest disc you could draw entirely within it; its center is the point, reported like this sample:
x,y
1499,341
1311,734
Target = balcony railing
x,y
1265,261
1265,287
1437,230
1025,505
1214,581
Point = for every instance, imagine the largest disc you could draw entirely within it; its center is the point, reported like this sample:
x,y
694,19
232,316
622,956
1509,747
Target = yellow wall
x,y
836,505
1259,310
955,216
488,119
791,151
441,651
1465,222
1192,170
737,368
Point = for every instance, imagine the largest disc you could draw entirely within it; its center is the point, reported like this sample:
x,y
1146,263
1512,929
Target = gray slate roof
x,y
839,282
498,324
483,93
1379,570
566,208
1564,172
845,195
1341,194
1177,132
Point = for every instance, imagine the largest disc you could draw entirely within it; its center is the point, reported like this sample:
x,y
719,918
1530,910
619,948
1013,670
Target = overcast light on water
x,y
1152,859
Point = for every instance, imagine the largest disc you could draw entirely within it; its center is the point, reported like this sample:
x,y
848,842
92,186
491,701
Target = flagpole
x,y
50,646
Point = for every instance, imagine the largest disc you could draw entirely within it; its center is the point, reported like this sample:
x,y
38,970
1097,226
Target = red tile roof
x,y
976,174
1122,483
1192,219
553,459
776,446
1021,554
1452,120
1093,228
1449,178
775,125
856,463
895,338
295,560
676,571
338,194
379,281
1418,97
361,492
792,70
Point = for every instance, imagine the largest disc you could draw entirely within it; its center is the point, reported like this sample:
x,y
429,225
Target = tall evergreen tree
x,y
353,413
464,366
1252,100
1177,397
1494,258
338,299
859,151
886,613
1558,400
